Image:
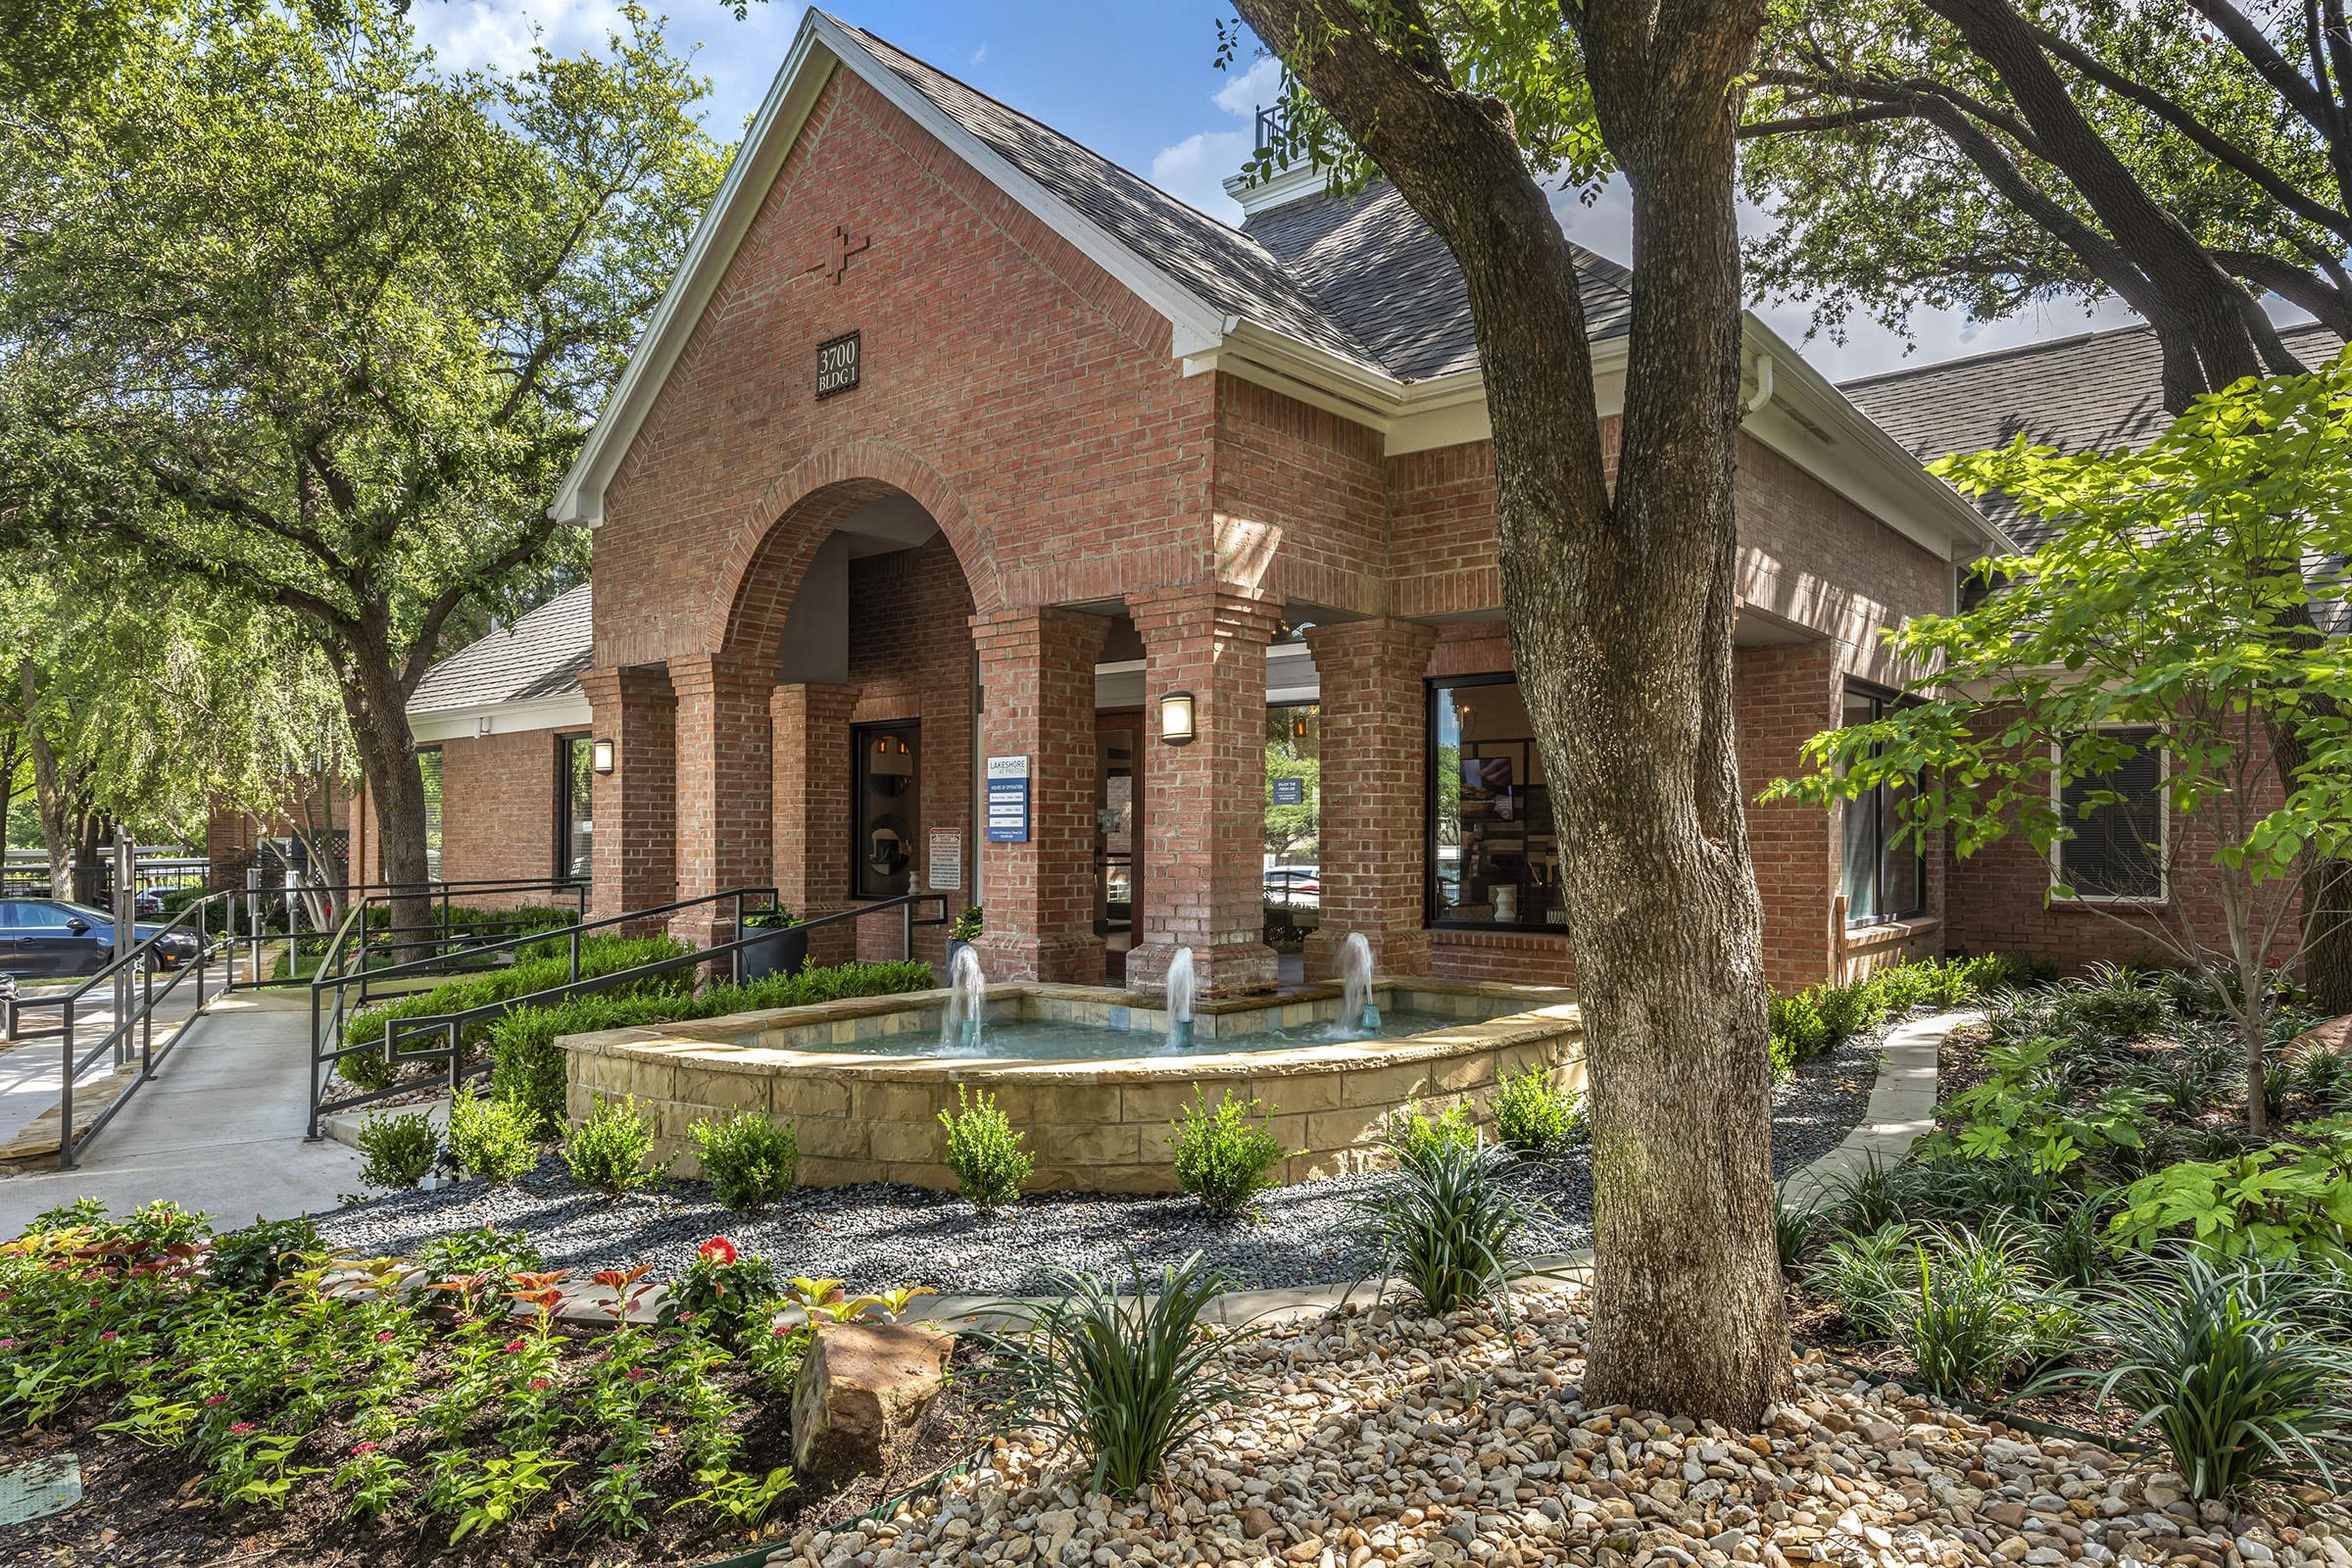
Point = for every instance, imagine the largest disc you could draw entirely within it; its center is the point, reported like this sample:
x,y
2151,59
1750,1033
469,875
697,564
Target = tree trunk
x,y
376,704
1620,610
50,798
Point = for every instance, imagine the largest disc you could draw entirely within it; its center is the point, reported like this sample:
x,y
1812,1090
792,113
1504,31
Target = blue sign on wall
x,y
1008,799
1290,792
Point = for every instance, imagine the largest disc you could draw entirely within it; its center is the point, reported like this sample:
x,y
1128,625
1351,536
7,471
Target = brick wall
x,y
498,809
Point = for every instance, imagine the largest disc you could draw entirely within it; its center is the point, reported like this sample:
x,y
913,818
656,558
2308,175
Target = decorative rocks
x,y
861,1393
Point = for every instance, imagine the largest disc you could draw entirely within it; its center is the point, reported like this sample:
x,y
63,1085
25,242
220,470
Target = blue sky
x,y
1135,81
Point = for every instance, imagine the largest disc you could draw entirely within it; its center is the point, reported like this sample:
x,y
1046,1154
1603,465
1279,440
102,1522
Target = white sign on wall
x,y
946,859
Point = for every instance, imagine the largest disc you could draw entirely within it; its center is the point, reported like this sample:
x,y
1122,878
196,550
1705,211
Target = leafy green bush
x,y
613,1150
1444,1225
1849,1009
2217,1357
1900,987
252,1261
1783,1058
749,1161
1223,1156
1415,1136
2016,1112
400,1150
2275,1203
1534,1117
1121,1377
2123,1003
539,967
1797,1020
726,1293
492,1138
481,1250
1979,1312
967,924
985,1152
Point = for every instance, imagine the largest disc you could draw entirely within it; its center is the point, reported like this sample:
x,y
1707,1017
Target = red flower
x,y
513,1346
718,1249
386,1334
217,1398
538,1383
362,1449
240,1428
108,1337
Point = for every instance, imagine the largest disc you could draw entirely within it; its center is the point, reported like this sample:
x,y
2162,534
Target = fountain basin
x,y
863,1083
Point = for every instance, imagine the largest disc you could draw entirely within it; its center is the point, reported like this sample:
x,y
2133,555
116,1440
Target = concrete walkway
x,y
218,1129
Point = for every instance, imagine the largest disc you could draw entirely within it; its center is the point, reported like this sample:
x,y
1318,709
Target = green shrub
x,y
1223,1156
983,1152
400,1150
1444,1224
481,1250
2275,1203
542,966
1415,1136
723,1294
2215,1356
1901,987
492,1138
1849,1009
2019,1111
967,924
1783,1057
749,1161
2125,1003
1534,1117
1797,1020
1121,1377
253,1261
1978,1313
1859,1271
612,1151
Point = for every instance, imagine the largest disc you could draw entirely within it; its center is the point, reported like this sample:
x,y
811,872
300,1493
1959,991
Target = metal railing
x,y
126,974
330,1017
441,936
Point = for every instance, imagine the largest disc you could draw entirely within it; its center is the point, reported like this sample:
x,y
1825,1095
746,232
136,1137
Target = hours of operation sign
x,y
1008,799
837,361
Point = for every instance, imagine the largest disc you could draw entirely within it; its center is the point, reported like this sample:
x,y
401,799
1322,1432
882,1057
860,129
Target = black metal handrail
x,y
453,1025
437,935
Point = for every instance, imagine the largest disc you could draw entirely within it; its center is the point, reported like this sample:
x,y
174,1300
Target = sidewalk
x,y
218,1129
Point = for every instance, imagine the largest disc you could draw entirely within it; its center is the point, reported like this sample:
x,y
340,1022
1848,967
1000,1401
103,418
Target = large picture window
x,y
428,767
887,796
1883,880
575,807
1493,849
2120,825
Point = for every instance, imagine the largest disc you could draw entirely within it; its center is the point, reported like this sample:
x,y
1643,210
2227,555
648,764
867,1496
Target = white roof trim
x,y
819,46
568,711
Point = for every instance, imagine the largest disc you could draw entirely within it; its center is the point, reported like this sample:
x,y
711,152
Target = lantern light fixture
x,y
1176,719
600,756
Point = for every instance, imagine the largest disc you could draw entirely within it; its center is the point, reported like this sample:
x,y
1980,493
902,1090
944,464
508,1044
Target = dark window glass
x,y
1493,850
428,767
575,807
1291,869
1882,879
2118,847
888,790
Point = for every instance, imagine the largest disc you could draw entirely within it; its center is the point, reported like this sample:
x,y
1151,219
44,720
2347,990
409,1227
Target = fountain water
x,y
1358,1012
967,1004
1180,1001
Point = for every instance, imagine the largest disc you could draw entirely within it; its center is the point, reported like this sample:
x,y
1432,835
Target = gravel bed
x,y
878,1235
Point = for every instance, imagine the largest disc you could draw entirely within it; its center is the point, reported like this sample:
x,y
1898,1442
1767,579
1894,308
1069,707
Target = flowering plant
x,y
723,1291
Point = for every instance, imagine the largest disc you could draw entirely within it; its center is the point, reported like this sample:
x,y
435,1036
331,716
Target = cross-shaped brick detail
x,y
839,247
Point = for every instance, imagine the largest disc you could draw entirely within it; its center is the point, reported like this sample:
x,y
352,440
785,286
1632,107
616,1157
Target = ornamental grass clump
x,y
492,1138
749,1161
1444,1225
1225,1156
612,1151
1980,1312
985,1152
1534,1117
2221,1357
400,1150
1123,1378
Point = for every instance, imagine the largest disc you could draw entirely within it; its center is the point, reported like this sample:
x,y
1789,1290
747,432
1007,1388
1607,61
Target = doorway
x,y
1118,836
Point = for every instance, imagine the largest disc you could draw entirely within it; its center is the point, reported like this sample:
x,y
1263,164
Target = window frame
x,y
436,824
1882,702
2163,896
565,740
1433,686
860,735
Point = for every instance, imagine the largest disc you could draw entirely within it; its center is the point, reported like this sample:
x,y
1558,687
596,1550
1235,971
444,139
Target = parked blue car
x,y
50,938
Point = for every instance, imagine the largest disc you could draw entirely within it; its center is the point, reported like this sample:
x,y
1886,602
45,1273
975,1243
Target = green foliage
x,y
1859,1270
771,919
400,1149
1792,1229
749,1161
1444,1224
985,1152
2123,1003
1797,1027
1980,1312
726,1296
2014,1113
1123,1378
967,924
2220,1359
480,1252
2275,1202
1534,1117
1225,1156
255,1259
612,1151
1415,1136
491,1137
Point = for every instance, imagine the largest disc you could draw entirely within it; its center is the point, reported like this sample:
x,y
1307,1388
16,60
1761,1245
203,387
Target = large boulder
x,y
862,1391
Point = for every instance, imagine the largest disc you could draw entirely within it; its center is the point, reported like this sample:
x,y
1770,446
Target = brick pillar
x,y
726,835
634,862
810,728
1203,846
1371,847
1037,685
1784,695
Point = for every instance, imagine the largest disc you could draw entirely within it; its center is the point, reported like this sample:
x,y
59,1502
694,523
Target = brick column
x,y
726,835
810,729
634,852
1203,845
1784,695
1037,685
1369,828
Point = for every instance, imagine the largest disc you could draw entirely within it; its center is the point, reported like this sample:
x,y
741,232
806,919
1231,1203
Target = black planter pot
x,y
947,962
781,950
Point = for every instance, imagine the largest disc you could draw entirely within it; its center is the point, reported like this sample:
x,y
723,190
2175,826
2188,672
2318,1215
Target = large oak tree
x,y
287,306
1620,601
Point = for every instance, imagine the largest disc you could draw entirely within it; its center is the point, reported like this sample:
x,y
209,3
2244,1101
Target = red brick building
x,y
957,452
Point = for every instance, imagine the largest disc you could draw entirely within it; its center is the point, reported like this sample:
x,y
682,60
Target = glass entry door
x,y
1118,828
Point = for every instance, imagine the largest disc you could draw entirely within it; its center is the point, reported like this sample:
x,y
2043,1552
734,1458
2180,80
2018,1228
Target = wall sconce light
x,y
600,756
1176,719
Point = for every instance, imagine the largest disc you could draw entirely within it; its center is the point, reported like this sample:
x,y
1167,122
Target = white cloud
x,y
1241,95
1194,170
979,54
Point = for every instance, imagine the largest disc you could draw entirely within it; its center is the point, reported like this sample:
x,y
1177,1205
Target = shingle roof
x,y
2089,393
542,655
1363,278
